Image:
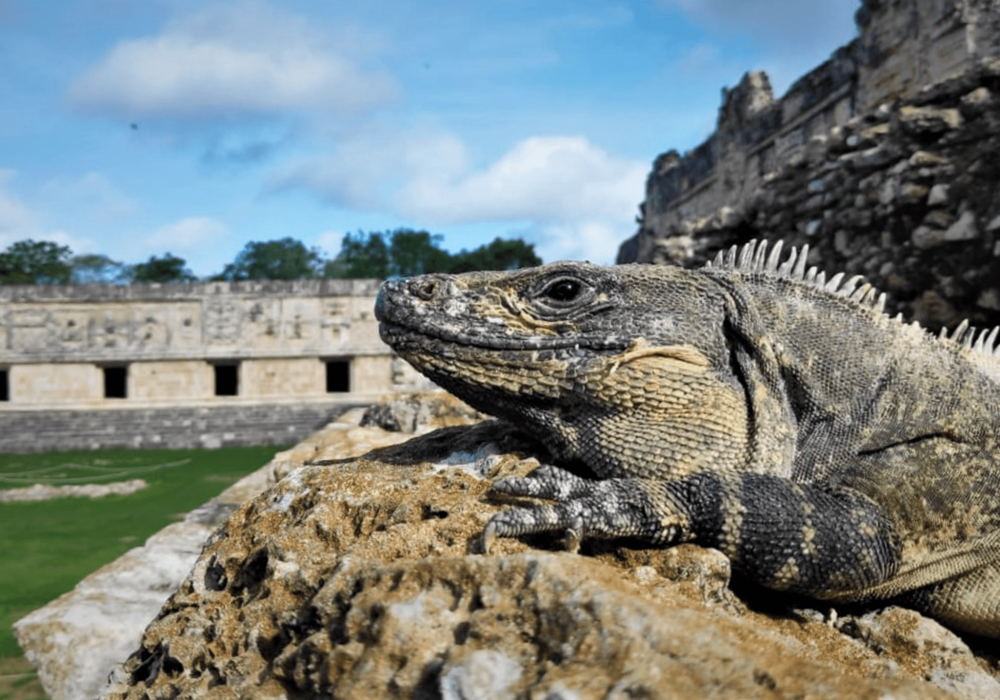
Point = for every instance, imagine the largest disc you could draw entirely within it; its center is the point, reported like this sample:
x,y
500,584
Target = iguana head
x,y
546,345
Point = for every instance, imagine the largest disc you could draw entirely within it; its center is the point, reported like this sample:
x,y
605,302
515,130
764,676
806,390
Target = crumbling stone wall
x,y
879,177
906,196
902,46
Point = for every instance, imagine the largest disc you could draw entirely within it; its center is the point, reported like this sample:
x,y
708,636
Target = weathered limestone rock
x,y
924,121
364,578
943,657
76,640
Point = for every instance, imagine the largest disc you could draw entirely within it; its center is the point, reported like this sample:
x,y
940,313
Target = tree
x,y
410,252
498,255
97,269
416,253
169,268
407,252
361,255
35,262
284,259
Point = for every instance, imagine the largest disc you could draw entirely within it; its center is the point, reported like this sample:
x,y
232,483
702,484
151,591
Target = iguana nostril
x,y
426,289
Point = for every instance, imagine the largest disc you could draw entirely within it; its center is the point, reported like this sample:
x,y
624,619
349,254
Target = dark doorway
x,y
227,379
338,376
116,382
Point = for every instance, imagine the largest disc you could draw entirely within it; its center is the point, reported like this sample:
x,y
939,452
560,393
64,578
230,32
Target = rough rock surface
x,y
363,577
76,640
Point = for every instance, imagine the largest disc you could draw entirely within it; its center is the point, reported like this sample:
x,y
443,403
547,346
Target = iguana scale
x,y
751,405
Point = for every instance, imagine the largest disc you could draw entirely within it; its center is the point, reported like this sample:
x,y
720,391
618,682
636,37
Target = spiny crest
x,y
754,258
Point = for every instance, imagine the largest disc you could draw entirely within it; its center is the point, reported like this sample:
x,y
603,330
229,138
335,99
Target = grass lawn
x,y
48,546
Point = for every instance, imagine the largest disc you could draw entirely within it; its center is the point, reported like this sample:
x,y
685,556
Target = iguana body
x,y
751,406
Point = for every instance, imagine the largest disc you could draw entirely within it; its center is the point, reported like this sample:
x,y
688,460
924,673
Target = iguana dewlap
x,y
751,406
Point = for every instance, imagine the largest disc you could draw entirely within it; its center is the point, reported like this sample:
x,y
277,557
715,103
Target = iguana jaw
x,y
468,369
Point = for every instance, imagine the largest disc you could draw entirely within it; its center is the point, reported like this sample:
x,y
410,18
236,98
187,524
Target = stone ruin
x,y
885,160
187,365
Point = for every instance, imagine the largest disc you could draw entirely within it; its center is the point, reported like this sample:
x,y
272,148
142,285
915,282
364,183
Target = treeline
x,y
402,252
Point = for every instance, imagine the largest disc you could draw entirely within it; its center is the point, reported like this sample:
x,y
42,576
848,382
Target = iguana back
x,y
751,405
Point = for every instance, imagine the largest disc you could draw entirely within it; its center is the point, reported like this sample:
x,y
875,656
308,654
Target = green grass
x,y
47,547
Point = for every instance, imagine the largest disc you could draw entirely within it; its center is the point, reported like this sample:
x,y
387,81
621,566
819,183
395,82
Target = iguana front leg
x,y
804,537
605,509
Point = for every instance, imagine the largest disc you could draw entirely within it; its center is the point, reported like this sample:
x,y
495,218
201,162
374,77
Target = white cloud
x,y
329,242
546,179
185,235
93,199
365,170
593,240
204,242
19,221
573,198
15,216
234,60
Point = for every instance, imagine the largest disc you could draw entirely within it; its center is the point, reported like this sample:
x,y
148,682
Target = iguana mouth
x,y
400,336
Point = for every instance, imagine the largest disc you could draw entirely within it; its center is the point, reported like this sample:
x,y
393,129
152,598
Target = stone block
x,y
939,218
989,299
925,237
938,195
868,159
964,229
922,121
926,159
977,100
932,308
873,135
910,193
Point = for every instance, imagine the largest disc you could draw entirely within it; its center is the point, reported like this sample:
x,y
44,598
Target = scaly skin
x,y
750,406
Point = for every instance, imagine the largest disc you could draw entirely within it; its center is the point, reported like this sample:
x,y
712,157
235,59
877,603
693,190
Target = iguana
x,y
750,405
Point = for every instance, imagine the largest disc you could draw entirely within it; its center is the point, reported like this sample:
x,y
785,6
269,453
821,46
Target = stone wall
x,y
209,320
166,428
96,366
879,178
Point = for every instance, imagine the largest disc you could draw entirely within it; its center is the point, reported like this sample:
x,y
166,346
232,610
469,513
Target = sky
x,y
136,128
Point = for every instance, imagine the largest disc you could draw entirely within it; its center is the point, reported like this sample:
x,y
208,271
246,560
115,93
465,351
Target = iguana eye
x,y
563,290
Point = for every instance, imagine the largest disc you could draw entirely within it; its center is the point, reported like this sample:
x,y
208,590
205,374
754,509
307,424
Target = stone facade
x,y
883,160
91,366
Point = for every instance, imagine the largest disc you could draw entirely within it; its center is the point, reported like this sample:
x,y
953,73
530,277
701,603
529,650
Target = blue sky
x,y
136,128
